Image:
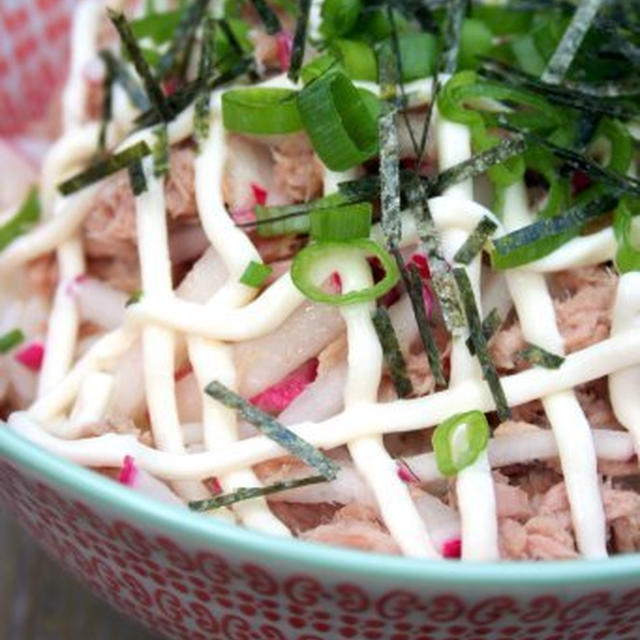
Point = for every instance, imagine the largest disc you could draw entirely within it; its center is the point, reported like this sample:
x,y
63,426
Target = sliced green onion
x,y
26,217
392,353
255,274
338,224
317,258
137,178
268,16
11,340
134,298
628,252
339,16
343,132
541,357
459,440
418,53
299,40
476,40
161,151
159,27
476,240
104,168
357,58
503,19
319,66
247,493
261,111
490,326
480,344
274,430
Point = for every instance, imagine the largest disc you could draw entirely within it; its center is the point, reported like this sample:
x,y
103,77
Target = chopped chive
x,y
11,340
121,75
452,30
413,285
26,216
546,234
274,430
104,168
392,353
476,240
268,16
477,164
161,151
565,52
388,134
255,274
246,493
443,281
134,298
137,178
490,326
480,343
299,40
154,92
176,59
540,357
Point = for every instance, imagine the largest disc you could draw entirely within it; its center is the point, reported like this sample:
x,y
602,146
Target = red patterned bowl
x,y
187,576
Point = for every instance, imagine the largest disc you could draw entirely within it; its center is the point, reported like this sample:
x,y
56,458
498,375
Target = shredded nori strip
x,y
137,178
205,70
540,357
477,164
268,16
612,89
476,240
392,353
571,40
104,168
161,151
299,39
443,281
154,92
105,111
176,59
121,75
413,285
246,493
273,429
480,343
452,31
490,326
234,43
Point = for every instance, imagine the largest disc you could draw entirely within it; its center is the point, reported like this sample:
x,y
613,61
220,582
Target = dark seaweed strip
x,y
205,70
392,354
273,429
367,188
543,231
443,281
477,164
490,326
540,357
452,31
105,112
121,75
480,343
299,39
476,240
268,16
413,285
154,92
613,89
246,493
571,40
388,133
137,178
177,57
161,151
104,168
234,43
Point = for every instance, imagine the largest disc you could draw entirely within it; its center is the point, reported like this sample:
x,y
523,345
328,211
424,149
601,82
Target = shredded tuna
x,y
42,275
301,517
511,501
297,171
124,426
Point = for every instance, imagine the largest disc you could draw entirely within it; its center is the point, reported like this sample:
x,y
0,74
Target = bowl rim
x,y
98,490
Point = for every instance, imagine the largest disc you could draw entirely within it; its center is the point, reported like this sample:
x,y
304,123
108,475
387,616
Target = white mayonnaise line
x,y
371,459
92,400
158,344
624,385
474,483
213,360
571,428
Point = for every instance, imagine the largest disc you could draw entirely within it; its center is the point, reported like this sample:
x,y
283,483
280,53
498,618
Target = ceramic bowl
x,y
186,576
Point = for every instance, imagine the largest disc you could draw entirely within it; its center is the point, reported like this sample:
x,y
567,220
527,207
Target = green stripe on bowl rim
x,y
100,491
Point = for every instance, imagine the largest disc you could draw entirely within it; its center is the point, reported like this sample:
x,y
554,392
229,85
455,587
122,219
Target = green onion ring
x,y
260,111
